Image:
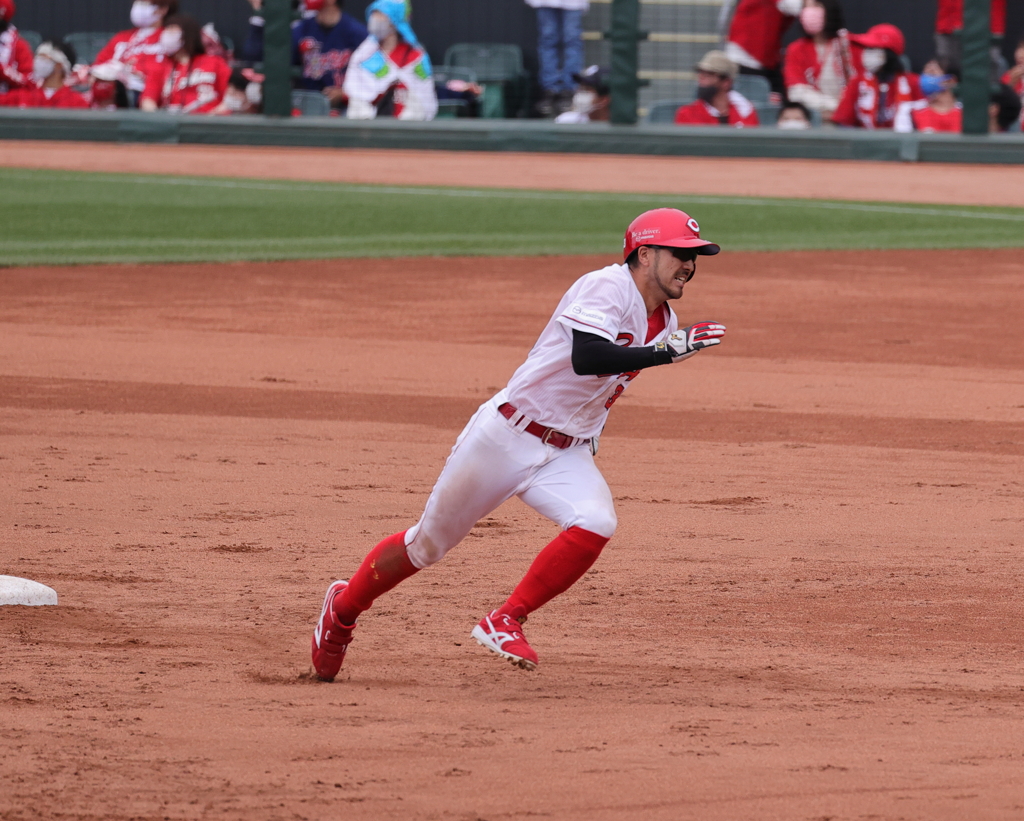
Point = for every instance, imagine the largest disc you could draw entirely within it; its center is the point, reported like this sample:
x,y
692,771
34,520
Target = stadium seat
x,y
87,44
664,111
311,103
768,113
499,68
754,87
448,107
34,38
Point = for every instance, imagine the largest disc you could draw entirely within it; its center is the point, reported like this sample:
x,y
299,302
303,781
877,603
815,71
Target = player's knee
x,y
424,551
597,518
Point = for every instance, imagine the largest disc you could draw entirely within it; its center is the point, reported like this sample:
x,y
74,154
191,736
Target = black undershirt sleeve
x,y
593,355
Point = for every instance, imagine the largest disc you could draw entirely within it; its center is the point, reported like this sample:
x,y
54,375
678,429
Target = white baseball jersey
x,y
545,388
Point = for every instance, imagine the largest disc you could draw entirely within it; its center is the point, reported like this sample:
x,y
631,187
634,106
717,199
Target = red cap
x,y
6,10
884,35
669,227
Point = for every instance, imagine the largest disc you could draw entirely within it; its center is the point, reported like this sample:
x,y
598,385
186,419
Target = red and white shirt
x,y
196,87
741,113
755,35
950,17
605,303
62,97
871,104
817,75
15,61
133,53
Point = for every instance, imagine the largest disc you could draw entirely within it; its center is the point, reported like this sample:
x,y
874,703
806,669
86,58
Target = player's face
x,y
672,268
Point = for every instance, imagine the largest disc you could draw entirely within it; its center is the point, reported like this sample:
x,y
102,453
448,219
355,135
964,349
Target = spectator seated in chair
x,y
390,63
717,103
15,52
130,55
940,111
244,94
592,99
793,116
50,69
186,80
819,64
1003,109
883,94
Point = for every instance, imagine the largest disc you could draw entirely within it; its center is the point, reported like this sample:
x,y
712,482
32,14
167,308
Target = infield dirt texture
x,y
812,608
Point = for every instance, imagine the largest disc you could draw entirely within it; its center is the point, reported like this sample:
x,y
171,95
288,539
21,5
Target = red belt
x,y
549,436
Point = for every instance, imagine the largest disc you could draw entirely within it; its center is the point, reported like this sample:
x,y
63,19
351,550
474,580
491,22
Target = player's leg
x,y
485,468
570,491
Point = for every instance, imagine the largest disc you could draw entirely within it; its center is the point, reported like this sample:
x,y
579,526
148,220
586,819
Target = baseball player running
x,y
536,439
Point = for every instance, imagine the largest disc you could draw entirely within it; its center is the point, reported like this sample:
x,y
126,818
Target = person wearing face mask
x,y
186,80
390,62
323,41
244,94
50,68
941,111
754,39
592,99
717,103
794,116
882,95
131,54
15,52
819,64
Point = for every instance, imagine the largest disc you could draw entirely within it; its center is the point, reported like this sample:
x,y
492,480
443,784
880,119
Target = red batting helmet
x,y
669,227
6,10
884,35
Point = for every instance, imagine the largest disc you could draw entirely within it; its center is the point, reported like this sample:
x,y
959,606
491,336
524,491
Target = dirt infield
x,y
811,609
814,179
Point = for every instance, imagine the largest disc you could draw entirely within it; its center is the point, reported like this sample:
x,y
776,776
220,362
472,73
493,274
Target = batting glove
x,y
685,342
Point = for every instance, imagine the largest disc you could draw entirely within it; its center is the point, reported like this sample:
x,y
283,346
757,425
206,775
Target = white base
x,y
25,592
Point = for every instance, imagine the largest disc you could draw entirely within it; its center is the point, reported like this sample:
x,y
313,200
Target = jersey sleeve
x,y
155,82
594,305
846,113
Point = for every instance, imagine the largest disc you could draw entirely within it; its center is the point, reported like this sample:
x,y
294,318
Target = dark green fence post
x,y
624,35
977,66
277,58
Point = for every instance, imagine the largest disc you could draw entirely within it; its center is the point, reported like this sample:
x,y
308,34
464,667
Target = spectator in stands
x,y
559,51
794,116
322,44
244,94
882,95
15,52
717,103
942,111
754,41
186,80
819,64
52,65
592,99
390,63
1014,78
130,54
1003,109
213,44
949,23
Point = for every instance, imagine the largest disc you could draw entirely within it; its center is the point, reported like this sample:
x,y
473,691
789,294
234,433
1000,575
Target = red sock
x,y
557,568
383,568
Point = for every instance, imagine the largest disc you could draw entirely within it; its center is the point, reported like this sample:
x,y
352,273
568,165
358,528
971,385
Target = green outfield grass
x,y
55,217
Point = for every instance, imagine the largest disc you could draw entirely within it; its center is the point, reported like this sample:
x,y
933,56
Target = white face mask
x,y
380,27
583,101
873,59
170,41
254,94
794,125
235,101
143,14
42,68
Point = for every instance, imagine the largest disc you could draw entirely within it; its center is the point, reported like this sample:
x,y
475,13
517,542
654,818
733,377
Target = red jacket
x,y
867,103
740,114
802,66
950,17
195,88
62,97
757,27
138,49
15,61
928,119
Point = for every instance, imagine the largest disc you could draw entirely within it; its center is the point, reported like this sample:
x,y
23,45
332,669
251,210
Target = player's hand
x,y
685,342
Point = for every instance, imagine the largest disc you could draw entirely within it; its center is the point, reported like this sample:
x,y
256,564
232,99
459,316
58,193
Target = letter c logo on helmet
x,y
668,227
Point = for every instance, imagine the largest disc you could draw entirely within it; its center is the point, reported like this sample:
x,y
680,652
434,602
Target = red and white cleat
x,y
503,635
330,639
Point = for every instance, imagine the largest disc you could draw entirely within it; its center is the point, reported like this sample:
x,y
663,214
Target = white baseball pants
x,y
493,460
